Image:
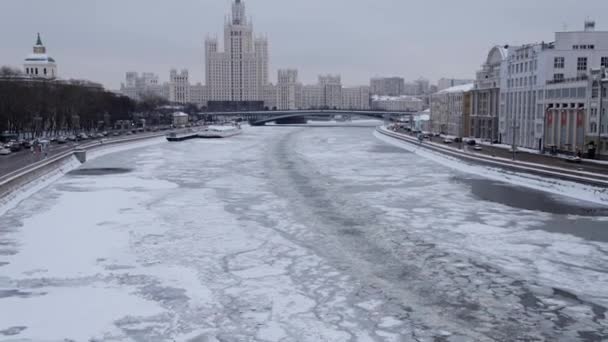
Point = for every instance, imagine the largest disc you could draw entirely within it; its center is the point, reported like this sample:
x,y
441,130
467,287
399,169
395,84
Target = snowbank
x,y
559,187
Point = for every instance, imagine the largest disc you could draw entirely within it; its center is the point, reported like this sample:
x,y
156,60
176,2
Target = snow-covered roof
x,y
422,117
458,89
39,58
178,114
395,98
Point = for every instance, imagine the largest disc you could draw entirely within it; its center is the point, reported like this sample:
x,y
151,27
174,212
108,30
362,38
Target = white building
x,y
180,119
387,86
39,64
546,93
286,89
486,96
356,98
138,86
270,96
403,103
198,95
312,97
179,87
331,91
445,83
240,72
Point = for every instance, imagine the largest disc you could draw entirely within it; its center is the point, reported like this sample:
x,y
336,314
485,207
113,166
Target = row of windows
x,y
581,63
522,82
567,93
583,47
523,67
34,71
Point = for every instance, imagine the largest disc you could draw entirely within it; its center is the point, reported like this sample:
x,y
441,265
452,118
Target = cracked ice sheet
x,y
198,230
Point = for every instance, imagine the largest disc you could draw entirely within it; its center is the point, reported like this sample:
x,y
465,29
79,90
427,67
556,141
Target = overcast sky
x,y
100,40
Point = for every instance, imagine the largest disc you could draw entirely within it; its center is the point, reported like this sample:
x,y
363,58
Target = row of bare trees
x,y
38,106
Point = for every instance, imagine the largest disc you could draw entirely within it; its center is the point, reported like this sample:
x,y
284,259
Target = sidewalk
x,y
544,166
523,156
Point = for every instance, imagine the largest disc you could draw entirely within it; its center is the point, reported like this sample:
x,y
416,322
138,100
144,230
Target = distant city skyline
x,y
101,41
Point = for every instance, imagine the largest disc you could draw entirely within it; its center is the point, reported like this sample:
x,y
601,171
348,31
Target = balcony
x,y
569,80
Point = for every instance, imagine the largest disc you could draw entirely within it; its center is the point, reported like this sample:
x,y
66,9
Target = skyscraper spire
x,y
39,41
238,13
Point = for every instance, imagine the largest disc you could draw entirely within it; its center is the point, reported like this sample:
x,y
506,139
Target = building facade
x,y
387,86
38,64
451,111
138,86
179,87
312,97
541,86
356,98
401,103
198,95
240,72
331,91
486,96
287,82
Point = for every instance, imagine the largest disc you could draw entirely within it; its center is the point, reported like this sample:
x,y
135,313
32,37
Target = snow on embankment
x,y
556,186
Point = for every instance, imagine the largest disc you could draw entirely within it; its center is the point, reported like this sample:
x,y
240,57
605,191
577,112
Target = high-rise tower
x,y
240,72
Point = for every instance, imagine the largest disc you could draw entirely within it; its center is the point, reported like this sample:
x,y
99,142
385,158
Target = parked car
x,y
62,140
447,141
5,151
116,134
14,146
27,143
82,136
574,159
471,142
72,138
105,133
477,148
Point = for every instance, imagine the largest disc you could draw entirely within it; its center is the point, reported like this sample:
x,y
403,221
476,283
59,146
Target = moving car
x,y
5,151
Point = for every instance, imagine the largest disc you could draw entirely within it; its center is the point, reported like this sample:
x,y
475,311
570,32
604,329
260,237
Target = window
x,y
604,62
581,64
558,77
559,62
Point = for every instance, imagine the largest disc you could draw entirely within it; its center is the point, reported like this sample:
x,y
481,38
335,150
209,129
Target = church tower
x,y
39,64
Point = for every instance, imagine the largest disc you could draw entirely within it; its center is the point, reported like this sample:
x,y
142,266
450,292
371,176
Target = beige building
x,y
451,111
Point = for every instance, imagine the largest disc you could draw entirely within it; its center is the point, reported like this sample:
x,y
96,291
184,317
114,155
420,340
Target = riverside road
x,y
298,234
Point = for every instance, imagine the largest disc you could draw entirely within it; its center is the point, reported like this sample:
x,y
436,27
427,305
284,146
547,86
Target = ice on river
x,y
296,234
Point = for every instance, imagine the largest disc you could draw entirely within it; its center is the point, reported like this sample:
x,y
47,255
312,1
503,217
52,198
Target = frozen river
x,y
298,234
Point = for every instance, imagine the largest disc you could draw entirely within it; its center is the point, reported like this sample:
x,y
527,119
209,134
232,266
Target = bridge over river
x,y
264,117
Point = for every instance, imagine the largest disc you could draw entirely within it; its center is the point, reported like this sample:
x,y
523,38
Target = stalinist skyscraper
x,y
241,71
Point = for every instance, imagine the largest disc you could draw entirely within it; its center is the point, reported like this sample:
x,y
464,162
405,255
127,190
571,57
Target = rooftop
x,y
458,89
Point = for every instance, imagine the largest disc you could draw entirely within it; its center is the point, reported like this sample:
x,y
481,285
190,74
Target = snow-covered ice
x,y
297,234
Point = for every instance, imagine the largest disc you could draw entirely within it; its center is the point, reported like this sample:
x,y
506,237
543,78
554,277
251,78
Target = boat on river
x,y
219,132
